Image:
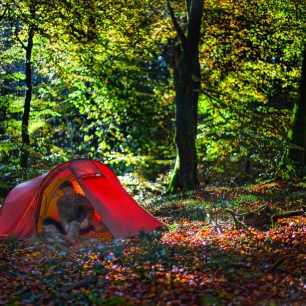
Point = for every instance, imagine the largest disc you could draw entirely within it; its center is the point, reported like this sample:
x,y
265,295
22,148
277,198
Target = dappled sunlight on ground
x,y
189,262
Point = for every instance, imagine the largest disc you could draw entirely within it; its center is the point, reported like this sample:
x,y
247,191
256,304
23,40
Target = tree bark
x,y
24,157
298,137
187,81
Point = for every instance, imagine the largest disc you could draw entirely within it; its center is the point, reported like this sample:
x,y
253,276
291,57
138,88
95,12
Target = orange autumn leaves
x,y
187,264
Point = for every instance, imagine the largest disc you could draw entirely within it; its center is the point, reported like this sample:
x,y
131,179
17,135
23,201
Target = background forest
x,y
103,80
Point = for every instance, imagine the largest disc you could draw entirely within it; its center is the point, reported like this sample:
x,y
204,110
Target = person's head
x,y
67,188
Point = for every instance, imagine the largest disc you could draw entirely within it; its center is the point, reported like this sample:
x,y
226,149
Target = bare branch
x,y
152,8
253,211
289,214
178,28
2,16
20,41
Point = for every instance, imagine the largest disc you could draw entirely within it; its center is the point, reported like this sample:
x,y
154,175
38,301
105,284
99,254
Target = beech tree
x,y
298,151
23,20
187,83
28,97
130,72
186,70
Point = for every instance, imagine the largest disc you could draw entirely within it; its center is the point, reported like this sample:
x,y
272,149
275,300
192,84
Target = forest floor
x,y
199,258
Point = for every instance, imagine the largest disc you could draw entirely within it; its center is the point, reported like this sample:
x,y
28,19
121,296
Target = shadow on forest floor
x,y
188,262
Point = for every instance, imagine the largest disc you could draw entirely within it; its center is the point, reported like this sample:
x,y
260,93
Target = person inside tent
x,y
74,210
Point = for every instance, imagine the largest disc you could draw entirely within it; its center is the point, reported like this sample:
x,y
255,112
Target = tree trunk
x,y
298,137
187,80
24,157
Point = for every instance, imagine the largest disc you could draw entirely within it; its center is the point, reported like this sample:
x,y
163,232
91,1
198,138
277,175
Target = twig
x,y
178,28
252,211
241,265
153,9
289,214
82,283
267,268
20,41
3,15
236,221
276,265
18,293
216,226
298,275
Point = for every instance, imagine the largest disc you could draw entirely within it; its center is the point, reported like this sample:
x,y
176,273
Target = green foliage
x,y
251,69
103,88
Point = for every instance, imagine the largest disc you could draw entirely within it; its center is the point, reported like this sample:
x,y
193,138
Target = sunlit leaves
x,y
250,59
105,70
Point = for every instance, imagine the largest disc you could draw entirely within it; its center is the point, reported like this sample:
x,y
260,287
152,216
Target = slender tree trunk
x,y
187,80
298,137
27,103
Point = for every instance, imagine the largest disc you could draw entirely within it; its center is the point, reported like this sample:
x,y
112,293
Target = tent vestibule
x,y
29,203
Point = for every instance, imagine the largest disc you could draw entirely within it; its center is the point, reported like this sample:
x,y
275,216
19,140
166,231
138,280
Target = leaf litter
x,y
188,262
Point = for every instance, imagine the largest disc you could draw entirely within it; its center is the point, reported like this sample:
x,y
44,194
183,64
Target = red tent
x,y
29,203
